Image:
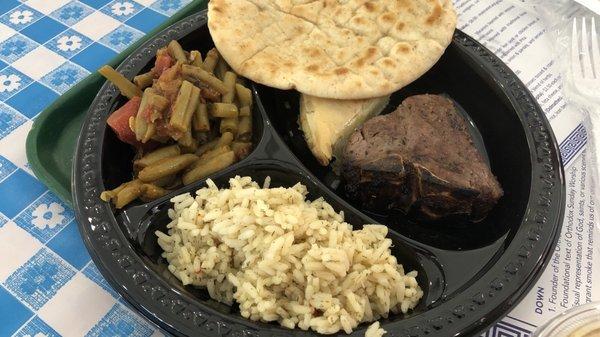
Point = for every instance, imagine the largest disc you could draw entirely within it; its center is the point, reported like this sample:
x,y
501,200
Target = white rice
x,y
286,259
374,330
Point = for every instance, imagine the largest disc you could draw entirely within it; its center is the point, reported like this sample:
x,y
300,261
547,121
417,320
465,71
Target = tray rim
x,y
32,147
532,117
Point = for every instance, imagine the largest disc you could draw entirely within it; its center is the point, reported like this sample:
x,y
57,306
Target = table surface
x,y
48,284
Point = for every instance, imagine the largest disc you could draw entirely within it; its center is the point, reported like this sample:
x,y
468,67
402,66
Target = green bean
x,y
158,102
201,122
196,58
184,125
152,192
204,76
175,184
209,167
127,88
179,109
161,138
187,142
241,149
221,69
229,81
229,125
177,52
111,194
244,95
245,111
105,196
209,155
156,155
210,62
129,193
164,181
244,132
201,136
126,196
226,139
150,132
144,80
166,167
206,147
213,153
223,110
141,124
192,107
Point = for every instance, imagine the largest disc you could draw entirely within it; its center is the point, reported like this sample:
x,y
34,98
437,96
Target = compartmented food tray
x,y
471,273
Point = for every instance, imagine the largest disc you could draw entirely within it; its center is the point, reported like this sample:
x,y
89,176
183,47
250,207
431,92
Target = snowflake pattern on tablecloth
x,y
48,215
6,168
119,321
16,47
71,13
36,328
39,278
21,17
9,83
168,7
45,217
12,82
121,38
69,43
64,77
10,119
13,48
122,8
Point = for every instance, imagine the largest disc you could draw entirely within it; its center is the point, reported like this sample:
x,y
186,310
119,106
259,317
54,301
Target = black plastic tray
x,y
471,274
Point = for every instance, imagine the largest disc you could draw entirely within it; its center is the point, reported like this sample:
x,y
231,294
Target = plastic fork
x,y
585,75
585,62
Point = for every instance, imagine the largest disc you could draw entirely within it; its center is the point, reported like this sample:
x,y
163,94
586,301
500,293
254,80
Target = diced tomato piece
x,y
162,63
119,121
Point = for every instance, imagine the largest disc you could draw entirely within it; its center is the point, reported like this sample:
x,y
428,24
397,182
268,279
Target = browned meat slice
x,y
422,158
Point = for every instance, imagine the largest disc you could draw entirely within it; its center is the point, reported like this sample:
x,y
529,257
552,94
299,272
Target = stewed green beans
x,y
192,117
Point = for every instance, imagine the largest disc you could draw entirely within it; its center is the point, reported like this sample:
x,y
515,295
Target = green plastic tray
x,y
51,141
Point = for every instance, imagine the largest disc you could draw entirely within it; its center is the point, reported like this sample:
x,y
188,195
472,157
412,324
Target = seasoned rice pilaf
x,y
284,258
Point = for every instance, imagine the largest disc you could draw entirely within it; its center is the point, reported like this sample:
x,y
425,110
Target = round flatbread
x,y
344,49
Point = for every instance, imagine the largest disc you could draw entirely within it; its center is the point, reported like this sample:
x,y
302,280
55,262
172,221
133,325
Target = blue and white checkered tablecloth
x,y
48,284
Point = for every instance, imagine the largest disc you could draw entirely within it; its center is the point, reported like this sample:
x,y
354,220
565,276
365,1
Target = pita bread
x,y
342,49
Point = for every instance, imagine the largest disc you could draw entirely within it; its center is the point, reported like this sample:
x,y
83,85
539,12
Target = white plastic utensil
x,y
585,78
585,61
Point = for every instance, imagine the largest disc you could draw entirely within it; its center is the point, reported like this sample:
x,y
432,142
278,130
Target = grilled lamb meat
x,y
420,158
